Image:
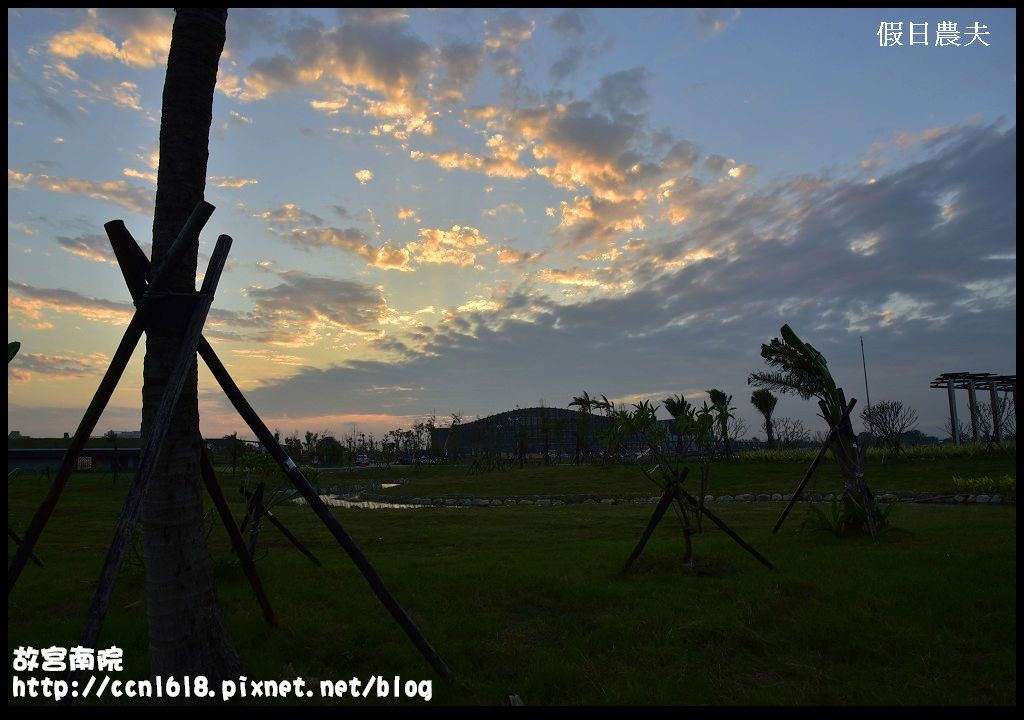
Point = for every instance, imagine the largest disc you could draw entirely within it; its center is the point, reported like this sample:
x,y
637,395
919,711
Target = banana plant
x,y
802,370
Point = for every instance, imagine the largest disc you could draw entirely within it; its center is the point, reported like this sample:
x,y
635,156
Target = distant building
x,y
91,458
14,435
560,429
125,434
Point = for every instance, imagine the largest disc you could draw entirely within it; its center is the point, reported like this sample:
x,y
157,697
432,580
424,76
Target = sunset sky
x,y
470,210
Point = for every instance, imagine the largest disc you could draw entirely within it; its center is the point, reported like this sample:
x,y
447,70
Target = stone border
x,y
545,500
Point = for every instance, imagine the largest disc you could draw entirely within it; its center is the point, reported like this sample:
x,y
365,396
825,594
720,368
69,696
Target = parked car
x,y
406,460
425,460
362,461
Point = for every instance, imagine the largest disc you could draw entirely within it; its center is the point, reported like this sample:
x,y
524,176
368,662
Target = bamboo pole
x,y
305,488
188,235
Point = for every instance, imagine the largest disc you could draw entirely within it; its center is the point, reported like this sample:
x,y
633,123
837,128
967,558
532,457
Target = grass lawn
x,y
530,601
727,478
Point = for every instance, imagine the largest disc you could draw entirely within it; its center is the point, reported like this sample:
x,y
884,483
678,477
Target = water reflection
x,y
354,502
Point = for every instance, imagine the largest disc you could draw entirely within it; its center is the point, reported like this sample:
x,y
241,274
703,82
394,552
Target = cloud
x,y
877,154
369,52
132,173
583,278
224,181
246,26
405,214
290,215
363,176
387,257
457,246
785,259
57,367
503,208
43,97
622,91
462,62
238,119
305,310
118,94
503,161
715,20
511,256
92,247
351,240
144,34
126,195
568,23
28,301
567,63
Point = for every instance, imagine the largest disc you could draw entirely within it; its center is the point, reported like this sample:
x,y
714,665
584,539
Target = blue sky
x,y
470,210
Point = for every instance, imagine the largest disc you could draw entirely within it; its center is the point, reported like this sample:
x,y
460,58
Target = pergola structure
x,y
971,382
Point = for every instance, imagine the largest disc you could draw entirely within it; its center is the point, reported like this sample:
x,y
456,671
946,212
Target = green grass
x,y
530,601
934,475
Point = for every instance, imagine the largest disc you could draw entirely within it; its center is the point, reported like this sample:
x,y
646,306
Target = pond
x,y
354,502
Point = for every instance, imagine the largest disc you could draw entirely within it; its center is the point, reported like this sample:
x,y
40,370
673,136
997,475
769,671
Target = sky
x,y
439,211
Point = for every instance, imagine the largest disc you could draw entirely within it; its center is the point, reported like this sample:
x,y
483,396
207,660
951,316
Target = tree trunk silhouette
x,y
186,631
769,430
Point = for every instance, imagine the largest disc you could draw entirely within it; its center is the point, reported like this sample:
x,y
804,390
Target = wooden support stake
x,y
255,501
134,267
256,504
18,541
814,464
189,235
322,511
306,489
659,512
154,443
726,529
221,503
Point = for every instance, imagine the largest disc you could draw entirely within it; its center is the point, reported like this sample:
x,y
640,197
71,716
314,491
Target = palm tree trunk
x,y
186,632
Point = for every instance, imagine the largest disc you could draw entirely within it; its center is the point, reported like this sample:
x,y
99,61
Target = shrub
x,y
1006,485
846,515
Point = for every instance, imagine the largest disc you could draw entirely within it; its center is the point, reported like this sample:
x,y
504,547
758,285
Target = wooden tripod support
x,y
135,267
